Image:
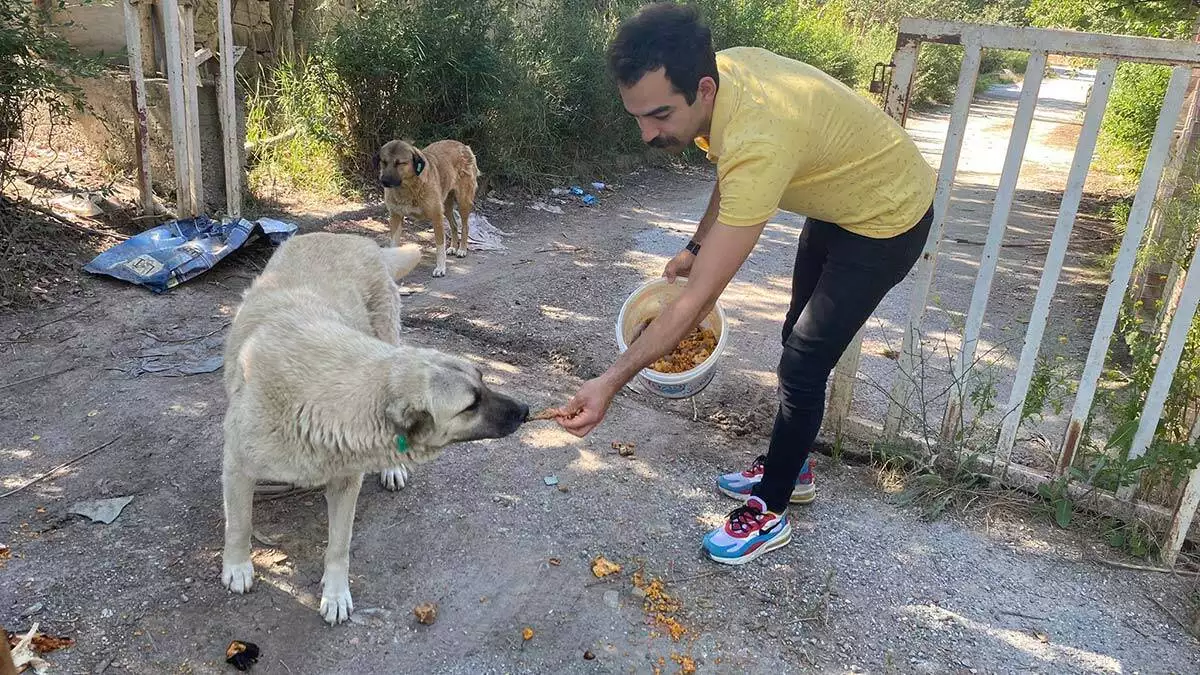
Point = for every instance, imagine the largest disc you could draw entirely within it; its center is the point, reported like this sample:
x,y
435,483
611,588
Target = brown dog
x,y
429,183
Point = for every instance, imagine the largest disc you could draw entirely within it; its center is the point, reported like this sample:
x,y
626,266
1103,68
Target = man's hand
x,y
679,266
586,410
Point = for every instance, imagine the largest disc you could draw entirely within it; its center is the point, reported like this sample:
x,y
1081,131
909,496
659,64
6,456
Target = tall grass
x,y
525,85
294,106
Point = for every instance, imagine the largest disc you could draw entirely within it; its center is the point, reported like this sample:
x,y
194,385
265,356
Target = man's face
x,y
666,120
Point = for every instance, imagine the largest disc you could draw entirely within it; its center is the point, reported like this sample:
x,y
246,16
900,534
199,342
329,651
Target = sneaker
x,y
740,484
748,532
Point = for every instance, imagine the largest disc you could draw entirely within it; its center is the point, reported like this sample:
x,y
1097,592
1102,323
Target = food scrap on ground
x,y
693,350
659,606
426,613
602,567
687,665
624,449
527,634
241,655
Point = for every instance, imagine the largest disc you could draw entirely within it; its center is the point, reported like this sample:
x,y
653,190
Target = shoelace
x,y
744,518
758,463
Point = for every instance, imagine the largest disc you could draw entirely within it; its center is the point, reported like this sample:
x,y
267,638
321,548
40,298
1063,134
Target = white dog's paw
x,y
460,252
238,577
394,478
439,271
336,605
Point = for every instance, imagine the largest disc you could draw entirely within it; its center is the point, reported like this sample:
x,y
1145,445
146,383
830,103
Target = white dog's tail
x,y
401,260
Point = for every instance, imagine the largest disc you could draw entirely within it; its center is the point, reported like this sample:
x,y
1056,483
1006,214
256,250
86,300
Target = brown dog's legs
x,y
458,243
396,226
439,240
465,200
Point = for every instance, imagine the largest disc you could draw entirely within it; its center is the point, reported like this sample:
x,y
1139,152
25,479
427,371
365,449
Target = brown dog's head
x,y
398,161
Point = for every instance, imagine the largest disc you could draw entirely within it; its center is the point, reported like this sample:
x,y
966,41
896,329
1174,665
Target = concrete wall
x,y
100,29
109,126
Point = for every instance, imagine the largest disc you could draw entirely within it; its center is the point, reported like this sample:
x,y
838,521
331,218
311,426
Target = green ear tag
x,y
401,445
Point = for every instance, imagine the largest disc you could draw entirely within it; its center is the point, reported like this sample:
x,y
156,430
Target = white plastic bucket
x,y
643,306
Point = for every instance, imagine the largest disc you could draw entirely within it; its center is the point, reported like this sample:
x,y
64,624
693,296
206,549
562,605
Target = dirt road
x,y
865,586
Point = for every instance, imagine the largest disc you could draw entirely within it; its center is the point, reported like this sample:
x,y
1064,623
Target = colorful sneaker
x,y
740,484
748,532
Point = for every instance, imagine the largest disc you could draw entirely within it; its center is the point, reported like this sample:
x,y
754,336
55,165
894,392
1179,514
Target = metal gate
x,y
1109,50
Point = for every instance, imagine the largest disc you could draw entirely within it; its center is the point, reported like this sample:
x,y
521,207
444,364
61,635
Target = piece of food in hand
x,y
689,353
551,414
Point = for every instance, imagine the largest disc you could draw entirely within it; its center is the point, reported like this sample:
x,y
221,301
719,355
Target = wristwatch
x,y
693,246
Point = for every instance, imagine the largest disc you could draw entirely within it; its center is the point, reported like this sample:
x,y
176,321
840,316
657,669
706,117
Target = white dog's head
x,y
436,399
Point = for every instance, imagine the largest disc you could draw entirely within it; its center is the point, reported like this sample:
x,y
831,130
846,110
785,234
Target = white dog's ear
x,y
412,421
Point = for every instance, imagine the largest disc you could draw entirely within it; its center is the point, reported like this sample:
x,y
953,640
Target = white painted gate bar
x,y
191,95
1164,374
185,204
1071,43
1105,73
1186,511
137,83
228,108
1123,268
923,279
1005,192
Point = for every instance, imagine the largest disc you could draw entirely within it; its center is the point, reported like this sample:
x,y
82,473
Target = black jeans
x,y
839,279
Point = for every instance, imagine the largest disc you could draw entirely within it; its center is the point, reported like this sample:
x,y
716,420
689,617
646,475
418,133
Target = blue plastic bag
x,y
168,255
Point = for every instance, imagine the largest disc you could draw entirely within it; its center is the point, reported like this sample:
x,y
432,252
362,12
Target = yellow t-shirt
x,y
785,135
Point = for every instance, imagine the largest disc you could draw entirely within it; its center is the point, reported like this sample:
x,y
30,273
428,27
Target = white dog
x,y
321,391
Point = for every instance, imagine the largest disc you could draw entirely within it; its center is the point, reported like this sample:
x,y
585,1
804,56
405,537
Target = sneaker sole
x,y
778,542
796,498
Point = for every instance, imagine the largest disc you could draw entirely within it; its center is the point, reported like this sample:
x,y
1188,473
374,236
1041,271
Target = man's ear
x,y
707,89
418,162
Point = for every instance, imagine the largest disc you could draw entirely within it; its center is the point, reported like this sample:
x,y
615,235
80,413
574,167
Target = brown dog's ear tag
x,y
418,164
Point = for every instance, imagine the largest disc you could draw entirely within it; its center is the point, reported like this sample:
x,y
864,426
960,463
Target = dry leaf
x,y
602,567
42,643
527,634
426,613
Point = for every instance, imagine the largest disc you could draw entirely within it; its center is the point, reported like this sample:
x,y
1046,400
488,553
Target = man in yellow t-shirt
x,y
785,135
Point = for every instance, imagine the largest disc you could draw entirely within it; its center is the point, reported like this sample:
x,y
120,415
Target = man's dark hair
x,y
664,35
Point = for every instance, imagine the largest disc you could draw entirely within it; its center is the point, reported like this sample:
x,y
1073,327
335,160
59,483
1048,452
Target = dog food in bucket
x,y
693,350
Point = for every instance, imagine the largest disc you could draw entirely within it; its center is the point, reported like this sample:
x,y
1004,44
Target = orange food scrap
x,y
602,567
693,350
527,634
687,665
